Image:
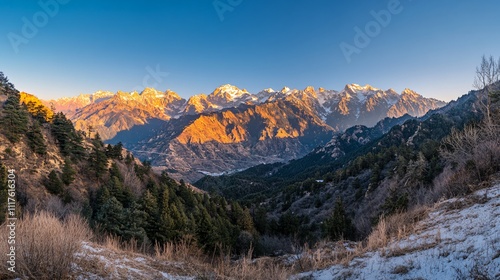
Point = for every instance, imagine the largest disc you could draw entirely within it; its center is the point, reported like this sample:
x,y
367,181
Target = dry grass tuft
x,y
395,227
116,243
326,254
247,269
46,246
185,251
220,266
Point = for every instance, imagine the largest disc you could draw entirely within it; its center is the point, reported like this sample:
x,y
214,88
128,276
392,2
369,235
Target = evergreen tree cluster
x,y
166,211
338,225
14,122
6,87
67,138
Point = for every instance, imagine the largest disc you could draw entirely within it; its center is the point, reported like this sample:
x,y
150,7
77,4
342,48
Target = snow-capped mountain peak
x,y
268,90
410,93
228,90
285,89
357,88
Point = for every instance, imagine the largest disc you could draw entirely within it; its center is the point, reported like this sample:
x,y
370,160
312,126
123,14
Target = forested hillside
x,y
342,189
63,171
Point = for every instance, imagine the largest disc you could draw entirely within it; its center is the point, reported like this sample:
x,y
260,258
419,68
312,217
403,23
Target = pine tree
x,y
167,224
67,138
261,224
115,172
68,173
14,122
338,225
36,142
97,160
36,108
7,88
241,217
118,190
111,216
115,151
375,176
205,232
129,159
134,224
180,220
152,223
53,183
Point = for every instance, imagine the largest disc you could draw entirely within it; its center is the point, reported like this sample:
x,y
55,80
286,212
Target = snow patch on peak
x,y
357,88
152,92
310,89
410,92
231,90
285,89
268,90
361,97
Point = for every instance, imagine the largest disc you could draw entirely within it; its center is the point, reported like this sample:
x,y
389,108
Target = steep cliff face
x,y
225,96
121,111
233,139
69,105
413,104
365,105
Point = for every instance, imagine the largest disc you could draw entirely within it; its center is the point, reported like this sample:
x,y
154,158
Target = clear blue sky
x,y
432,47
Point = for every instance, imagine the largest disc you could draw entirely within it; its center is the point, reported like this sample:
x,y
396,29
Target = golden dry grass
x,y
220,266
247,269
46,246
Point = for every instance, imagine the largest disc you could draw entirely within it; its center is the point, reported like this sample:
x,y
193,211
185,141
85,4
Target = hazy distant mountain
x,y
69,105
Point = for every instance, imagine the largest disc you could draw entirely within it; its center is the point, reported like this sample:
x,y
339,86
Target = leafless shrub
x,y
440,187
475,151
130,179
487,74
55,206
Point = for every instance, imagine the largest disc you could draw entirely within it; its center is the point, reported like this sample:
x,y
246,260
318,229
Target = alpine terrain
x,y
231,129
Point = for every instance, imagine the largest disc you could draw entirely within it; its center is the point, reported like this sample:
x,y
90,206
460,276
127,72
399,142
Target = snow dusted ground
x,y
99,263
459,240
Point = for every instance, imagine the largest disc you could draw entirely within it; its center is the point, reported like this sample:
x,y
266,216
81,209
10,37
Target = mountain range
x,y
231,129
367,187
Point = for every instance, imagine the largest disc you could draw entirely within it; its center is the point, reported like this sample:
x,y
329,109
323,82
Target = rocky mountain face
x,y
371,171
237,138
69,105
108,113
230,128
357,105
